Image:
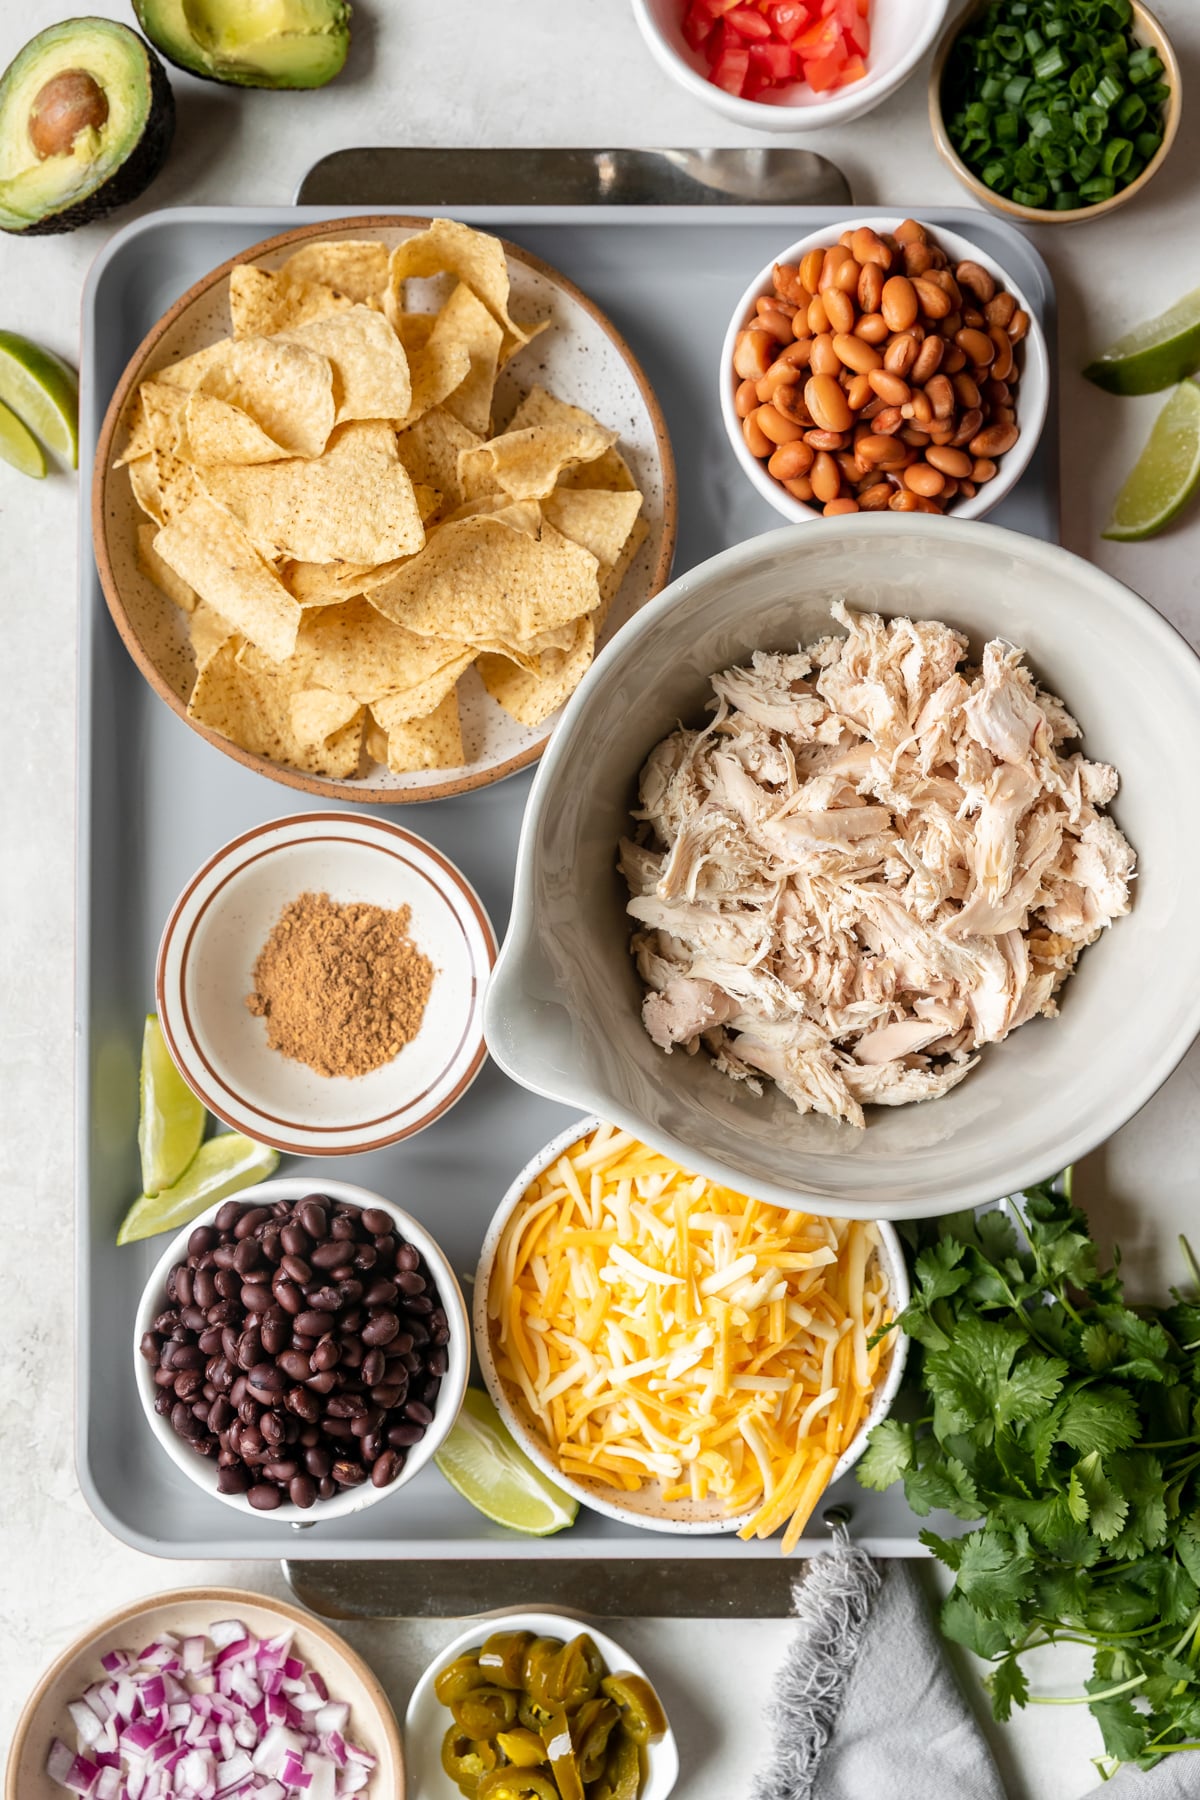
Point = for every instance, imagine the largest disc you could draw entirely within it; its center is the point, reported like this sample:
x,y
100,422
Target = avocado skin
x,y
239,74
135,174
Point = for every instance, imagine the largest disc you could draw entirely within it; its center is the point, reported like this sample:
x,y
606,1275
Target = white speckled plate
x,y
580,358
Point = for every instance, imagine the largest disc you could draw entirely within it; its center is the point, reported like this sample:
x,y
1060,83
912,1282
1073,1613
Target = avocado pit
x,y
70,102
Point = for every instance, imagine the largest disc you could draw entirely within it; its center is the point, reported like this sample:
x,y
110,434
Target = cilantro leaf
x,y
1008,1687
942,1484
1107,1506
1097,1418
963,1625
940,1271
890,1451
1122,1726
994,1576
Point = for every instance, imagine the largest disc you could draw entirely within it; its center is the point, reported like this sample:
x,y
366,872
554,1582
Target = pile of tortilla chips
x,y
346,536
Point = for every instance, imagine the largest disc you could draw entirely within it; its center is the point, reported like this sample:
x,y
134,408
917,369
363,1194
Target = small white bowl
x,y
427,1720
645,1508
901,32
186,1613
202,1470
1032,396
211,942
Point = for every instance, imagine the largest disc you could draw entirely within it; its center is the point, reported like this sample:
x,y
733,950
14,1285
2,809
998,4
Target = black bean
x,y
326,1487
349,1291
402,1437
233,1479
368,1422
345,1406
338,1429
388,1394
329,1254
296,1269
381,1327
264,1498
249,1411
247,1256
282,1471
376,1221
183,1356
268,1378
228,1284
373,1368
365,1257
381,1293
183,1285
344,1228
166,1321
302,1491
164,1377
421,1305
349,1474
312,1216
276,1334
288,1295
418,1413
163,1402
352,1353
204,1289
310,1324
150,1346
327,1354
322,1299
318,1461
273,1429
250,1220
303,1404
249,1348
407,1258
203,1239
371,1446
188,1384
439,1361
294,1239
385,1469
255,1296
323,1382
409,1282
220,1414
295,1364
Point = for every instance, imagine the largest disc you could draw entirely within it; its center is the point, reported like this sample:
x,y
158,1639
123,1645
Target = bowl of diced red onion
x,y
207,1692
790,65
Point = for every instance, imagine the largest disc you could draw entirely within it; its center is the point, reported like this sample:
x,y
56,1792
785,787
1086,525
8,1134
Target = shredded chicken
x,y
872,861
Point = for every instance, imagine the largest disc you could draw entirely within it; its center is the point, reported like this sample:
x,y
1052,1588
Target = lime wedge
x,y
43,391
18,447
480,1460
220,1167
171,1120
1154,355
1166,474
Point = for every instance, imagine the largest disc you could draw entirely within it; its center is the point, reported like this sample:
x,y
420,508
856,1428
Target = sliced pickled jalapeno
x,y
485,1711
518,1784
641,1709
539,1719
463,1674
467,1761
503,1658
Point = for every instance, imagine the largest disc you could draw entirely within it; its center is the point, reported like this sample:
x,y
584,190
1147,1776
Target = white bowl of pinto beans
x,y
889,366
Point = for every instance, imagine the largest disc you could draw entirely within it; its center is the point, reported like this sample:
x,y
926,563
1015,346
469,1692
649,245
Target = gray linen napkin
x,y
866,1706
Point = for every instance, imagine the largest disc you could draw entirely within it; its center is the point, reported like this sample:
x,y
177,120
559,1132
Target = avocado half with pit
x,y
86,120
251,43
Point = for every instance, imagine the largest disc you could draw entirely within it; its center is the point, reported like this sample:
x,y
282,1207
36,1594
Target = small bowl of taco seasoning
x,y
320,983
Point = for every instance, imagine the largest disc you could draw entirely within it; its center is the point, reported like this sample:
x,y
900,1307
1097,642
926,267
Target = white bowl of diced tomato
x,y
790,65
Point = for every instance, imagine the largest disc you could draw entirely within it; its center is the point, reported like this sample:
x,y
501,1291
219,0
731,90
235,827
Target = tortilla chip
x,y
413,329
599,520
353,649
370,368
208,548
609,471
527,462
316,715
612,577
162,485
465,323
356,267
212,431
327,584
160,573
432,742
286,387
429,451
353,504
476,257
261,304
154,422
254,710
483,582
522,515
531,698
208,630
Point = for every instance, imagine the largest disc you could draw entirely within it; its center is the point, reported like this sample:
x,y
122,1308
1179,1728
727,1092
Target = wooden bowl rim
x,y
329,787
221,1597
1147,26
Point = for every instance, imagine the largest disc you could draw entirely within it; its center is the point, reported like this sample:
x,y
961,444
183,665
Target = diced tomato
x,y
772,64
821,73
754,45
750,23
731,69
789,18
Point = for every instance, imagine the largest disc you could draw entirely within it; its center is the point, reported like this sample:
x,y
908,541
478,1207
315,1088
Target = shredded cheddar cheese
x,y
657,1328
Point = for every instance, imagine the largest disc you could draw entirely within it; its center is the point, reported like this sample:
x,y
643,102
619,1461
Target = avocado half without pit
x,y
86,120
251,43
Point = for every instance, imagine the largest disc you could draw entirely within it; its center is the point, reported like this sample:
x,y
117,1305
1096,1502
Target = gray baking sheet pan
x,y
155,801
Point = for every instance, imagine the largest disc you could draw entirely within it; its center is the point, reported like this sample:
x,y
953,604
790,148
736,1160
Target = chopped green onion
x,y
1118,154
1054,103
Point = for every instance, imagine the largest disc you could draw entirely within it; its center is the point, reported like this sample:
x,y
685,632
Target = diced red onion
x,y
209,1718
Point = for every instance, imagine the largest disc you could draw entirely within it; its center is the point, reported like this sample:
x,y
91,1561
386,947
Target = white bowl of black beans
x,y
290,1379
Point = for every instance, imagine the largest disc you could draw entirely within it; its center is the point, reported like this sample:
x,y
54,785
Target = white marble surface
x,y
472,72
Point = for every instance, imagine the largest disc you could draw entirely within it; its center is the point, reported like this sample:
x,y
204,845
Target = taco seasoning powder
x,y
343,988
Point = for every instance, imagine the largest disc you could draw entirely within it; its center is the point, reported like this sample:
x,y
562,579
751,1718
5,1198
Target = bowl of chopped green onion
x,y
1054,111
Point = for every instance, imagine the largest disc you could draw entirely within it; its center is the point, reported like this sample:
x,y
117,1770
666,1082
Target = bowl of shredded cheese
x,y
677,1355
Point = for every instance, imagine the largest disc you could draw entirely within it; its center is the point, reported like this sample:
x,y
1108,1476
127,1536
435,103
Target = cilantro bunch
x,y
1068,1424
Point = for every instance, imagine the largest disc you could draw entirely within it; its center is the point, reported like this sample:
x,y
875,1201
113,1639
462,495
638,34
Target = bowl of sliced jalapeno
x,y
527,1707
